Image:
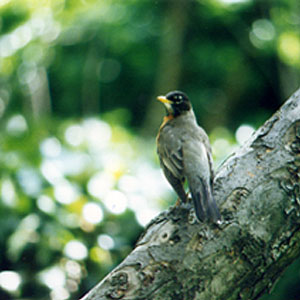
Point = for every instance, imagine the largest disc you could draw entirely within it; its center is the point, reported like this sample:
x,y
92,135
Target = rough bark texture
x,y
258,191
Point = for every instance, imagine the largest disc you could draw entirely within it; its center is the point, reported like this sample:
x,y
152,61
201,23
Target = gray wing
x,y
169,149
198,170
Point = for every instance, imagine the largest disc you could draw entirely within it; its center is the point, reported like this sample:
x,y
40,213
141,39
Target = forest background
x,y
78,80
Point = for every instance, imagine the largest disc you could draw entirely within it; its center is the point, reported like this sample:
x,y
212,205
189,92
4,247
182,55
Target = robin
x,y
185,154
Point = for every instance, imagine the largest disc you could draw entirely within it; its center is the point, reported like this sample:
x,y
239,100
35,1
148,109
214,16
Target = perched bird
x,y
185,154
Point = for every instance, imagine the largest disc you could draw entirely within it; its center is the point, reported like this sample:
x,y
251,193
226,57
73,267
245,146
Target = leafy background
x,y
78,80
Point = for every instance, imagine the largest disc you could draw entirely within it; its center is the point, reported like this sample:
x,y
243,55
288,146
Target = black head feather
x,y
180,102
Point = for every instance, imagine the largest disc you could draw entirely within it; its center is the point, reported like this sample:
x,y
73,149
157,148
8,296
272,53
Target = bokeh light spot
x,y
30,181
10,280
92,213
46,204
105,242
289,48
232,1
51,172
50,147
73,269
65,192
116,202
74,135
8,193
263,29
75,250
128,183
146,215
100,255
60,293
53,278
221,148
16,125
243,133
97,134
100,184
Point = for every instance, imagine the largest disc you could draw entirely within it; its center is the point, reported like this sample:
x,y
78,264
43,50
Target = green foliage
x,y
12,17
71,180
62,227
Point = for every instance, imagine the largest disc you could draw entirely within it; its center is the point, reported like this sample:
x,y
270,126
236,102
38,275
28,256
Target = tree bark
x,y
258,192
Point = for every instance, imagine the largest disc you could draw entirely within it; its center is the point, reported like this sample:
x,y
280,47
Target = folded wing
x,y
170,155
198,170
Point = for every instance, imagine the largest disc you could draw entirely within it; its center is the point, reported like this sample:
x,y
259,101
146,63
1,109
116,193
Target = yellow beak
x,y
163,99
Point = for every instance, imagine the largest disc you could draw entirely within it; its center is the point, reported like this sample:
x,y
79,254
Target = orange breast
x,y
166,120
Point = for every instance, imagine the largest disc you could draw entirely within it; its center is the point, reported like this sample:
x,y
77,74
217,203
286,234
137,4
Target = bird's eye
x,y
178,99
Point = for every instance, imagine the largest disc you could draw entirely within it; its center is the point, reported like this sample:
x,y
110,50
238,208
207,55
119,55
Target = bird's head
x,y
176,103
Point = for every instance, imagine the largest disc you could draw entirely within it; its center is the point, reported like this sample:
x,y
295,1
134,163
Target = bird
x,y
185,154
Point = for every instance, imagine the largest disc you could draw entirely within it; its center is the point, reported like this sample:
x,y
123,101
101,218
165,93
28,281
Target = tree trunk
x,y
258,192
170,60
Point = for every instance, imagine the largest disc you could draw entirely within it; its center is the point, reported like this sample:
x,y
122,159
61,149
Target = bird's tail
x,y
204,202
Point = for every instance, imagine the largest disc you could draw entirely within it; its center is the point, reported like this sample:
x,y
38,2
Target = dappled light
x,y
46,204
80,177
243,133
105,242
289,48
16,125
262,33
8,194
92,213
229,2
76,250
115,202
54,278
81,183
10,280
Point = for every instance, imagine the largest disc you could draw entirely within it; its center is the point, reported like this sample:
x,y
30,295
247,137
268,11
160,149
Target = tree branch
x,y
258,191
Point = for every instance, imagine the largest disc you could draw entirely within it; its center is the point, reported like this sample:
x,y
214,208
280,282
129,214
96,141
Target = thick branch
x,y
258,191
